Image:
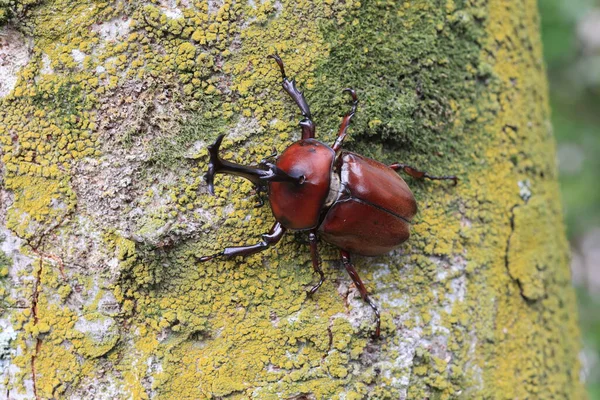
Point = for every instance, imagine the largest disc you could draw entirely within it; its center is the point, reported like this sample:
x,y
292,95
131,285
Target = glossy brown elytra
x,y
353,202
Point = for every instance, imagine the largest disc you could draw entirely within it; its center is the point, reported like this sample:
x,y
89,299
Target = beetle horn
x,y
259,176
214,163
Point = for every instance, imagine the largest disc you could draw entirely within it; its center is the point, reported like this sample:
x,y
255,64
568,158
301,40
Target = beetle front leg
x,y
316,261
268,239
307,125
337,145
361,288
258,190
415,173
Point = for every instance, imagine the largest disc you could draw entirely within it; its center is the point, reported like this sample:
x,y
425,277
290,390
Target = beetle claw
x,y
208,258
269,157
354,99
279,62
259,203
352,93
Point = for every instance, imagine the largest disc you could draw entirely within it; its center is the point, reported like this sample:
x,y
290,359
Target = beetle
x,y
353,202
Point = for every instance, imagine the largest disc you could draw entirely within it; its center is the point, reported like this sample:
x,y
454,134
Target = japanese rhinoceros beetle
x,y
353,202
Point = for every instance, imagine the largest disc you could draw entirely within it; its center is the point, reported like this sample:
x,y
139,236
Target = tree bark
x,y
105,113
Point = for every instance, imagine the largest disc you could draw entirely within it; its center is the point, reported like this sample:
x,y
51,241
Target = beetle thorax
x,y
299,205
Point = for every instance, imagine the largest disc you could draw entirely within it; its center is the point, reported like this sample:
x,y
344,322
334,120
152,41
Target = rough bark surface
x,y
105,112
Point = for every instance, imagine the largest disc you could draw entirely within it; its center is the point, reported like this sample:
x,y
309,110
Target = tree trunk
x,y
105,113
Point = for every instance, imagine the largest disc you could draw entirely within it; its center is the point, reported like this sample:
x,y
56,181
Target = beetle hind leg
x,y
362,289
268,239
415,173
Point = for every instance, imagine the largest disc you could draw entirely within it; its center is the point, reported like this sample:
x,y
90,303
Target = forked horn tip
x,y
217,142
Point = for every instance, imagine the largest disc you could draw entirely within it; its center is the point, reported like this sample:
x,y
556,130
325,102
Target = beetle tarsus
x,y
208,258
415,173
268,239
258,190
271,156
354,99
260,202
307,125
279,62
316,262
361,289
337,145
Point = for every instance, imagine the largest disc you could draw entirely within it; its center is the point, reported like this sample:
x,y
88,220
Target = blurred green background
x,y
571,35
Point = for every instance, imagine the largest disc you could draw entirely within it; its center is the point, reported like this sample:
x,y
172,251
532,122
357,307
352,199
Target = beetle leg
x,y
337,145
258,190
316,261
266,172
271,156
361,288
307,125
415,173
268,239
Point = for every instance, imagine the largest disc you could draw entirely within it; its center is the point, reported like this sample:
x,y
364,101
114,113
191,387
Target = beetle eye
x,y
301,180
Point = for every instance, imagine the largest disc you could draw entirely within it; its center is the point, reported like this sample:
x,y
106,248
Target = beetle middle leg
x,y
307,125
316,261
337,145
415,173
361,288
268,239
